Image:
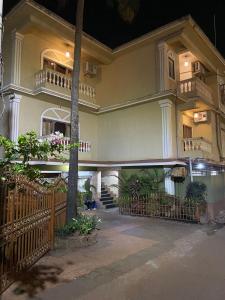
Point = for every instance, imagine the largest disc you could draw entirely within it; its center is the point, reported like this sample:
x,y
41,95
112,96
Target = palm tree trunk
x,y
74,135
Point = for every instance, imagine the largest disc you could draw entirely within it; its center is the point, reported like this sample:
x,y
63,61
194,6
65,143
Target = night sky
x,y
103,22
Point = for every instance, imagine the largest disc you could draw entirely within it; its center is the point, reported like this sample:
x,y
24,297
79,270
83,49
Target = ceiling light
x,y
186,63
67,54
200,166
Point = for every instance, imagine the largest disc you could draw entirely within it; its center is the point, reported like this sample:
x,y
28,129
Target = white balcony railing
x,y
62,81
84,146
194,87
197,144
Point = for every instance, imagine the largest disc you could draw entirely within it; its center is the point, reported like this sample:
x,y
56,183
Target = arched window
x,y
55,119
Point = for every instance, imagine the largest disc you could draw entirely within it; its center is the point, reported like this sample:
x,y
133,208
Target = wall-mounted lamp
x,y
67,54
186,63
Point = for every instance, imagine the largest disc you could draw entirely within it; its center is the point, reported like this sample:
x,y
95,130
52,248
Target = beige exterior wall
x,y
131,75
131,134
30,119
31,61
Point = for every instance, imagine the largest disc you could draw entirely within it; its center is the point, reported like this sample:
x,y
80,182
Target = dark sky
x,y
104,23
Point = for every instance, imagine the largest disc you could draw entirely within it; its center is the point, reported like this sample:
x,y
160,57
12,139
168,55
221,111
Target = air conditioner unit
x,y
198,68
90,69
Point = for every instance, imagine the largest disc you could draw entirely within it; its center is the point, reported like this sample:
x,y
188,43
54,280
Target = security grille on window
x,y
171,68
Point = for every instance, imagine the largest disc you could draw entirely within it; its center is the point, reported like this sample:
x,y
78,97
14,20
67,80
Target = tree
x,y
74,134
127,10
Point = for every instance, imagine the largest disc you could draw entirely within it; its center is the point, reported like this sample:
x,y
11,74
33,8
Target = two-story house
x,y
155,101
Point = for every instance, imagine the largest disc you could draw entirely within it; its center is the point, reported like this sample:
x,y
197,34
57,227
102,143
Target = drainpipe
x,y
190,168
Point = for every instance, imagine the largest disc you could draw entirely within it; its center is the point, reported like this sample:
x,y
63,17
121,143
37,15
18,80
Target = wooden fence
x,y
164,206
29,214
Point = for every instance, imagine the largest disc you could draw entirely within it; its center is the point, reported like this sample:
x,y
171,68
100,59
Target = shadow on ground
x,y
31,282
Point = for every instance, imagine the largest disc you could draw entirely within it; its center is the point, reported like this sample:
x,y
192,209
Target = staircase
x,y
106,199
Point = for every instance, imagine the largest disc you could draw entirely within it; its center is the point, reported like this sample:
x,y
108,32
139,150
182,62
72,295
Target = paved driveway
x,y
135,259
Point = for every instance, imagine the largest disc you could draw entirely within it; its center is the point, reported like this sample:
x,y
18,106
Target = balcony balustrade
x,y
84,146
197,144
195,88
62,83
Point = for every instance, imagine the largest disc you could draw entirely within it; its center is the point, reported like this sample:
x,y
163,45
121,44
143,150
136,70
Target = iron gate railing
x,y
160,205
29,215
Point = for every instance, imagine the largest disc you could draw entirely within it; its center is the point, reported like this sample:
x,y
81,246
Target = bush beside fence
x,y
161,205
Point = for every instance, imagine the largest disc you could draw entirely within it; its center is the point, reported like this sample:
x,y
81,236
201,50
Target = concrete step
x,y
105,195
107,202
108,206
106,198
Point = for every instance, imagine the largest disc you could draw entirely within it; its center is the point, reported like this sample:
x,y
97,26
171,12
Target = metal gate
x,y
29,214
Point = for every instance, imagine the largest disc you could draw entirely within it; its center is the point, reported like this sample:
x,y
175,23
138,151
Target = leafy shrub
x,y
141,182
83,224
28,147
196,191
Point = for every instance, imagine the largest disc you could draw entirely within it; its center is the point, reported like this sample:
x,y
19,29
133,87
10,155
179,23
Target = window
x,y
171,68
51,126
50,64
187,132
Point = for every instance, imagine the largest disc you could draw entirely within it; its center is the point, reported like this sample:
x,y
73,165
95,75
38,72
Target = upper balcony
x,y
59,83
197,147
193,82
194,88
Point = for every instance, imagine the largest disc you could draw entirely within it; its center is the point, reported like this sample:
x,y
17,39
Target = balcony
x,y
197,147
84,146
194,88
56,82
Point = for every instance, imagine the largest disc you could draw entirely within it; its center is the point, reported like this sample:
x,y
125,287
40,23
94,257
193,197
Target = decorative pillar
x,y
163,66
14,109
98,183
167,127
169,184
17,40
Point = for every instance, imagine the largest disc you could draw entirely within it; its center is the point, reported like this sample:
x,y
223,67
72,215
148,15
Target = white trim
x,y
170,163
162,65
14,110
167,128
16,53
103,165
24,90
51,172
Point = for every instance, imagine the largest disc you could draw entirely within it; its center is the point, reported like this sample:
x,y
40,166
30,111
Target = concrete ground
x,y
135,259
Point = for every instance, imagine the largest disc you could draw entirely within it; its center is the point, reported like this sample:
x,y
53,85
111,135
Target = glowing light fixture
x,y
186,63
67,54
200,166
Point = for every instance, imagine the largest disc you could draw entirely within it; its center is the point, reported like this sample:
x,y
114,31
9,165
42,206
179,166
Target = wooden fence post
x,y
52,221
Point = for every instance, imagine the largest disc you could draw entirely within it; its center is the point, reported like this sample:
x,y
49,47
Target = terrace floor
x,y
135,258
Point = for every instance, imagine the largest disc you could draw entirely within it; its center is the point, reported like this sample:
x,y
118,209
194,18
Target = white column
x,y
169,184
14,109
17,40
167,127
163,66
